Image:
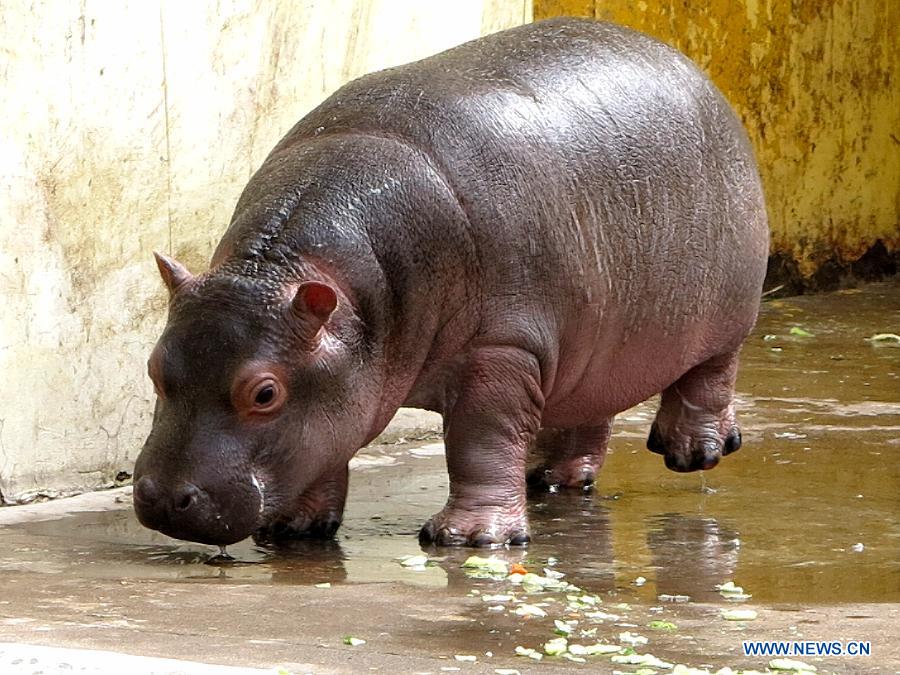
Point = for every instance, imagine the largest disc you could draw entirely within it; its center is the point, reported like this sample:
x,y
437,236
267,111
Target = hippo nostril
x,y
185,497
146,491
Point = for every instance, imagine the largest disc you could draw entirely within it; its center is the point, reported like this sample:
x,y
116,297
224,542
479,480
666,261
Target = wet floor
x,y
806,515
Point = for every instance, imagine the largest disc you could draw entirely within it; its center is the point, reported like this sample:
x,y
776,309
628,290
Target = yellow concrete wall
x,y
132,125
816,84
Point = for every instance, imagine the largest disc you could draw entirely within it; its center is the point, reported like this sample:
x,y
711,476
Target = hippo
x,y
527,234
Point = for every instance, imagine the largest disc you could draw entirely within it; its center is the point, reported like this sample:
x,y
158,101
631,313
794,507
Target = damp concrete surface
x,y
806,518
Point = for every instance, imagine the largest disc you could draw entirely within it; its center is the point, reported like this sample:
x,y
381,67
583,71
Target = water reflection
x,y
691,554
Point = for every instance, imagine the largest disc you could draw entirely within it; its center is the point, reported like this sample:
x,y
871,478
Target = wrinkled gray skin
x,y
528,234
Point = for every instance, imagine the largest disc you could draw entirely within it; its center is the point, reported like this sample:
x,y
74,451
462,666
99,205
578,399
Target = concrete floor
x,y
805,517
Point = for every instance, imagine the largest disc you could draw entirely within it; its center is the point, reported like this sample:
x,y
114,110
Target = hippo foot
x,y
576,474
688,454
569,459
695,425
482,528
322,526
315,514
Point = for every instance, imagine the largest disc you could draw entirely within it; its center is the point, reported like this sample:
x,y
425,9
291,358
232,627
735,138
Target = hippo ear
x,y
173,273
313,304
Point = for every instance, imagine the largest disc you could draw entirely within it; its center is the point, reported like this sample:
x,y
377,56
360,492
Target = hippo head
x,y
259,393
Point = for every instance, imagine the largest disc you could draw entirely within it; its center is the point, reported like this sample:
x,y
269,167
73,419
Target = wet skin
x,y
528,234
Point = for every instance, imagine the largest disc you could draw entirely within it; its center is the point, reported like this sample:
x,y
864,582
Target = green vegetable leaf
x,y
562,628
491,565
662,625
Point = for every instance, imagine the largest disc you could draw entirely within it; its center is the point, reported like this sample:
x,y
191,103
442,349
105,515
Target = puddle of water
x,y
806,513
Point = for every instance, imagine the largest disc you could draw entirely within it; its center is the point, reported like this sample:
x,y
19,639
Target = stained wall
x,y
816,84
130,126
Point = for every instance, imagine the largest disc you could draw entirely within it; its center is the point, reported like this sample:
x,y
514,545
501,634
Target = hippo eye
x,y
257,392
265,395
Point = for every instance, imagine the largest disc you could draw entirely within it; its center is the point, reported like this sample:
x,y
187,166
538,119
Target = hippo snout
x,y
183,510
175,510
155,504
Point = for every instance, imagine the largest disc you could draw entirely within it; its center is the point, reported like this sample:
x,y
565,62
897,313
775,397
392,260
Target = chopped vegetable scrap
x,y
535,583
662,625
530,610
730,591
486,568
739,614
632,639
564,627
885,337
571,633
640,660
598,649
530,653
414,561
556,646
792,665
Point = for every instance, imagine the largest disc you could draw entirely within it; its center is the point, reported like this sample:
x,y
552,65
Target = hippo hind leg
x,y
569,458
695,425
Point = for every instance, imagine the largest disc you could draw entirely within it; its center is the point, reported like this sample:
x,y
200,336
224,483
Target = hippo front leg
x,y
494,416
315,514
570,458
